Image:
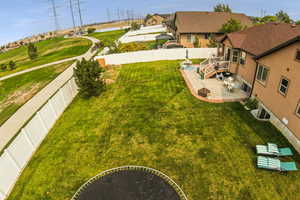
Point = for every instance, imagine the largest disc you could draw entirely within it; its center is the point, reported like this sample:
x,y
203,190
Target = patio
x,y
218,91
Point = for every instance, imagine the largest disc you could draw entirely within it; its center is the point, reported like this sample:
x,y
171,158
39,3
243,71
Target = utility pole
x,y
55,16
72,13
80,16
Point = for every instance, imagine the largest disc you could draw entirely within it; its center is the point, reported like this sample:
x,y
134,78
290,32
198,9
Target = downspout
x,y
254,78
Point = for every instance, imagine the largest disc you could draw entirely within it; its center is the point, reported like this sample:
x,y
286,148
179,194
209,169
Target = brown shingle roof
x,y
262,38
207,22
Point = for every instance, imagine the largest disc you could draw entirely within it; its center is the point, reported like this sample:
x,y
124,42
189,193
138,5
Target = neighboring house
x,y
156,19
266,60
197,28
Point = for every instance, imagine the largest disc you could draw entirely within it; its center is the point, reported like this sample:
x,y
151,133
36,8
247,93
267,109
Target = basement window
x,y
298,110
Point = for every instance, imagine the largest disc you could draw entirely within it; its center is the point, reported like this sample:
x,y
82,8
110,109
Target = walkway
x,y
12,126
48,64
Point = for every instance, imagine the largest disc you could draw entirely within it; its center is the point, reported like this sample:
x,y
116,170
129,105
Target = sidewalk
x,y
12,126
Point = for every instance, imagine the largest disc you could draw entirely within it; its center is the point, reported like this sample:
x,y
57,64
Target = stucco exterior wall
x,y
281,64
201,38
246,71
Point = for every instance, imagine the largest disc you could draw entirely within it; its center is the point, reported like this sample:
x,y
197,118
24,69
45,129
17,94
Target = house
x,y
197,28
155,19
266,60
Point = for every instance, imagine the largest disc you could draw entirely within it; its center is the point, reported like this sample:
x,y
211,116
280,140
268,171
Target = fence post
x,y
70,86
28,138
42,121
13,160
52,108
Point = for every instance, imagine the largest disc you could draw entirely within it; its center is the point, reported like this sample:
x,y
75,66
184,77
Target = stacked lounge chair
x,y
273,150
274,163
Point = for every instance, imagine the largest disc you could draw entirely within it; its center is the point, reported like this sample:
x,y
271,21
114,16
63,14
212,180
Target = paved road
x,y
12,126
48,64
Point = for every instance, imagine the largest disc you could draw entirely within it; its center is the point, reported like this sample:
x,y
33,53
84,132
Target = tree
x,y
297,22
196,42
222,8
12,65
32,51
283,17
269,18
91,30
148,16
135,26
88,78
231,26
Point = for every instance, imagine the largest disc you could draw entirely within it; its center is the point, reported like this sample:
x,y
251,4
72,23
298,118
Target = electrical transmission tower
x,y
72,14
55,15
80,14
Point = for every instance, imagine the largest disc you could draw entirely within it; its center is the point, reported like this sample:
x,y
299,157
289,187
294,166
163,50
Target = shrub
x,y
88,78
3,67
91,30
32,51
135,26
196,43
133,46
251,103
12,65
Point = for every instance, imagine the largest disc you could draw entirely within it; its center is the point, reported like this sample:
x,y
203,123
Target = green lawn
x,y
109,36
148,117
15,91
48,51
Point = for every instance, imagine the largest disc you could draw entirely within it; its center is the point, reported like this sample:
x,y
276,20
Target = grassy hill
x,y
16,91
49,51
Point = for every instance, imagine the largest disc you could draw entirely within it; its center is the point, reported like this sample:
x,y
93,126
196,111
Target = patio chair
x,y
273,150
275,164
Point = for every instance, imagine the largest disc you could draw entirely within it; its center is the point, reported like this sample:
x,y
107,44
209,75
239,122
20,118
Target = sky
x,y
21,18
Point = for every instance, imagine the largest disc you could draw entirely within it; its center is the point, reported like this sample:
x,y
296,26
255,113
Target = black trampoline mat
x,y
129,185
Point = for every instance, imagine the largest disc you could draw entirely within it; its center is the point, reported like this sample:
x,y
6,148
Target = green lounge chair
x,y
273,150
275,164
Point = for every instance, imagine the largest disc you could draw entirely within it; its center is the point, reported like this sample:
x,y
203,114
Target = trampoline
x,y
130,183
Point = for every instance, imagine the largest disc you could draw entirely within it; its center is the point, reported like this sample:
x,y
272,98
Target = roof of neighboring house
x,y
262,39
162,15
207,22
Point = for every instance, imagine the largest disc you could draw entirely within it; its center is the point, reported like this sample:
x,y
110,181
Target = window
x,y
227,54
262,73
263,114
207,36
298,110
283,86
246,88
243,58
235,55
298,55
191,38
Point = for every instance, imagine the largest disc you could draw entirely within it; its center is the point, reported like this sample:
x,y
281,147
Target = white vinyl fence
x,y
155,55
143,35
18,153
